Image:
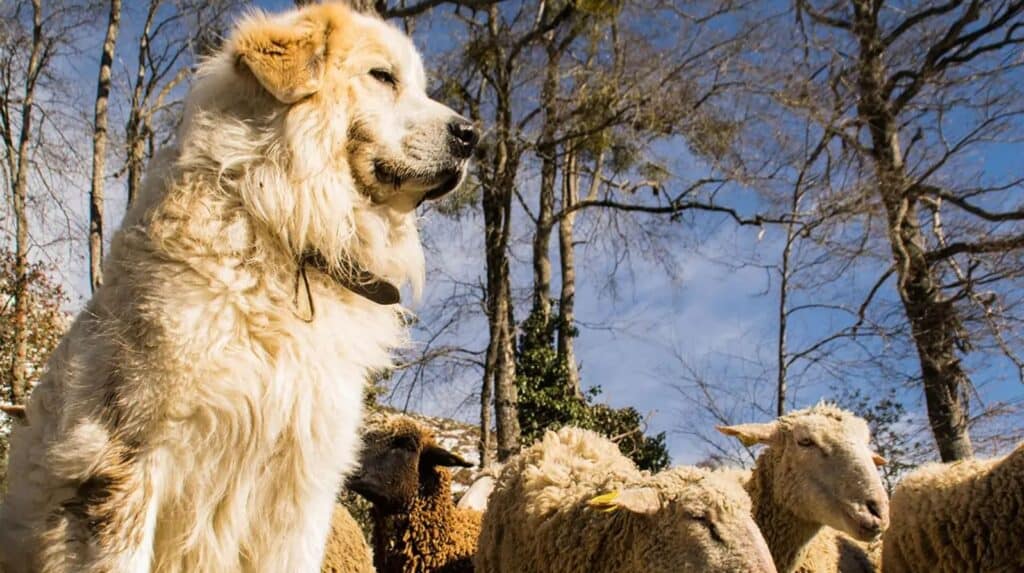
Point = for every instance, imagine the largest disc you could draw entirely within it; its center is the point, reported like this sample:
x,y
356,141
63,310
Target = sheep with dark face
x,y
416,526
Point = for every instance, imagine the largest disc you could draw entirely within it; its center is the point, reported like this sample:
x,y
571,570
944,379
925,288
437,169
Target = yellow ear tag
x,y
605,502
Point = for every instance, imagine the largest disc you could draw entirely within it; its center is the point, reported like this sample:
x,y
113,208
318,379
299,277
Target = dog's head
x,y
366,77
324,115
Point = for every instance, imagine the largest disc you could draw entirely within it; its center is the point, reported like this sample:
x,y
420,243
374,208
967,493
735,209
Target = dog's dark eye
x,y
383,76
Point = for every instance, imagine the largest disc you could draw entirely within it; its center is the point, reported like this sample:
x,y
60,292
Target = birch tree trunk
x,y
37,61
135,135
567,268
544,223
99,148
500,365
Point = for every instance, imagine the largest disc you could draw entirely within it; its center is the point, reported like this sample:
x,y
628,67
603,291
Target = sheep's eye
x,y
805,442
384,76
710,526
404,443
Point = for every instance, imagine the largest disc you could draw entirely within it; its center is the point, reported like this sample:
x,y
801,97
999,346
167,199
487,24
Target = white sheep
x,y
962,517
476,495
818,470
572,502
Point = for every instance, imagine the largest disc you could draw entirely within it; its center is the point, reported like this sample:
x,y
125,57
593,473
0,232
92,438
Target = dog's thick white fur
x,y
199,415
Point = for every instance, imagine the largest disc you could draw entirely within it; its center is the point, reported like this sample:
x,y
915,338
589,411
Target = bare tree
x,y
169,44
17,113
404,10
99,147
501,41
889,78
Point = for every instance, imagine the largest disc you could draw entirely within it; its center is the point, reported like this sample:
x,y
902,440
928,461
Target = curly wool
x,y
539,520
832,550
346,550
432,536
962,517
829,550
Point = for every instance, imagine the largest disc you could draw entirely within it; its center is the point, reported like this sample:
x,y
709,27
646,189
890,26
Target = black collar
x,y
358,280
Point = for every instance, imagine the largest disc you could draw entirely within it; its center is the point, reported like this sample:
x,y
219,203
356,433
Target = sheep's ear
x,y
879,460
642,500
750,434
288,61
437,456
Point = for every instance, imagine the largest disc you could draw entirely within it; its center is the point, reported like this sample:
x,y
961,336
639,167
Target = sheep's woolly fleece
x,y
431,536
962,517
541,516
829,550
346,550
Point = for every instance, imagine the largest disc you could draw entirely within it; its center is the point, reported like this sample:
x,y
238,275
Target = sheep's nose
x,y
463,137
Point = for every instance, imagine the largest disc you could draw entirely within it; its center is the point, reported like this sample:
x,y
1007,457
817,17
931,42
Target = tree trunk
x,y
567,258
935,325
135,130
486,397
501,358
785,273
497,204
99,148
500,368
19,366
546,197
780,382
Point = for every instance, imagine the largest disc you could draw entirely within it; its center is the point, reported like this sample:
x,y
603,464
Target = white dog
x,y
202,410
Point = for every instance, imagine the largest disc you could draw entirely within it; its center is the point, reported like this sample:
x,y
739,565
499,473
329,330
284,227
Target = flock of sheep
x,y
573,503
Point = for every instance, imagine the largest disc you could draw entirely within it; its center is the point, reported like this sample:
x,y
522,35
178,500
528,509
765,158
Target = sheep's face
x,y
693,520
825,471
400,462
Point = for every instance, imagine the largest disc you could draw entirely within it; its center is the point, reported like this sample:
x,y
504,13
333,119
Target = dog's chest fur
x,y
260,396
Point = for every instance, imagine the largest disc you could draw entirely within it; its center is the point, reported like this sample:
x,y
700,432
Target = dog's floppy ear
x,y
288,61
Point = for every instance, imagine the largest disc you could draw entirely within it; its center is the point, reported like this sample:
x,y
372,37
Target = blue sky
x,y
641,328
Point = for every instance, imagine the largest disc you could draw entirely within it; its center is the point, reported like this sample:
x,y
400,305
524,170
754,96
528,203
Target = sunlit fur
x,y
199,415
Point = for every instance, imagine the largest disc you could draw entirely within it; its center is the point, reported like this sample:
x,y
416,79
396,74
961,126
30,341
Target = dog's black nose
x,y
464,137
